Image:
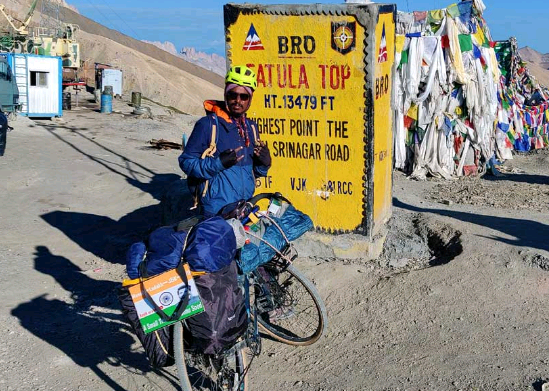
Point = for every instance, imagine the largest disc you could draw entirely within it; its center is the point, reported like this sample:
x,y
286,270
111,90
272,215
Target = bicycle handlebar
x,y
242,209
255,199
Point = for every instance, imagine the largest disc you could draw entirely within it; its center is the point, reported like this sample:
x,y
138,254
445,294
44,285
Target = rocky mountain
x,y
533,56
537,63
167,46
212,62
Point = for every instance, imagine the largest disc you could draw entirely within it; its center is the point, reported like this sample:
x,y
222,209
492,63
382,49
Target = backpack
x,y
194,183
225,318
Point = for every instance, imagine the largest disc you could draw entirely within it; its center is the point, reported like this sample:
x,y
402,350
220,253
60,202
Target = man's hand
x,y
262,155
230,157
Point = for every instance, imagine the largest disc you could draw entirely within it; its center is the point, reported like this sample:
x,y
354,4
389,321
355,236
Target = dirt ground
x,y
457,301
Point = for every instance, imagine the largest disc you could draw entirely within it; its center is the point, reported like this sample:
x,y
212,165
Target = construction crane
x,y
17,40
59,40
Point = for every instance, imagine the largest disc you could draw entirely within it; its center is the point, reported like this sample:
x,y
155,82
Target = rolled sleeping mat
x,y
239,232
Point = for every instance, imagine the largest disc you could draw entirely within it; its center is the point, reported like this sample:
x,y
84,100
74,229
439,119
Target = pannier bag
x,y
154,330
225,317
164,253
159,344
293,223
209,247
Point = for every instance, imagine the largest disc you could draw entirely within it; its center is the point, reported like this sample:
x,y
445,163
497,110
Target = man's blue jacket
x,y
224,185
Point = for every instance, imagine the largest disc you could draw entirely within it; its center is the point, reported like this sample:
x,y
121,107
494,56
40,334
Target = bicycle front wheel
x,y
298,314
201,372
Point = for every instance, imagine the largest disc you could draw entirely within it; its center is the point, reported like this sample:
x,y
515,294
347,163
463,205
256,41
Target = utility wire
x,y
136,36
102,14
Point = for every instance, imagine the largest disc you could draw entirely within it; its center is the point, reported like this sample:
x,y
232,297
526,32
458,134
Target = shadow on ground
x,y
87,331
108,238
527,233
520,178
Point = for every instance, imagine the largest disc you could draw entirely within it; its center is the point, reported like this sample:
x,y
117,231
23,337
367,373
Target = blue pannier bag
x,y
163,252
293,223
211,245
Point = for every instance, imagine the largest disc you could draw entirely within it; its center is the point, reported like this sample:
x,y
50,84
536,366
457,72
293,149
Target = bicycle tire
x,y
199,380
292,330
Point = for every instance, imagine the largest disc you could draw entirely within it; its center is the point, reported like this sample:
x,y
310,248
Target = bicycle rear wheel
x,y
297,314
201,372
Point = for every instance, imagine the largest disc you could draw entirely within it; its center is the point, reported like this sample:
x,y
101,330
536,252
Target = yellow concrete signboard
x,y
383,136
313,105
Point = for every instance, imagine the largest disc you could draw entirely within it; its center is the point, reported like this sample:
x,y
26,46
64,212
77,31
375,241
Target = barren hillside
x,y
88,25
157,74
540,73
157,80
531,55
537,63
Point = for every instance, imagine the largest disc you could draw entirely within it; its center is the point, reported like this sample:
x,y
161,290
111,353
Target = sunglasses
x,y
233,95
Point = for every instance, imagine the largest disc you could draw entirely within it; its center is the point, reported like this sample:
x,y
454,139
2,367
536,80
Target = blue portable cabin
x,y
40,83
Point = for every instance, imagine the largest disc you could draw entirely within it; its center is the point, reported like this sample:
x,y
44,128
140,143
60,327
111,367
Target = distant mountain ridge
x,y
212,62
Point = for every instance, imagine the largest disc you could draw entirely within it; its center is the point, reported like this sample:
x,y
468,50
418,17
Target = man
x,y
225,172
4,128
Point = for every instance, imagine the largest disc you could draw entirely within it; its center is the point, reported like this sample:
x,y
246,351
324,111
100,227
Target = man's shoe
x,y
281,313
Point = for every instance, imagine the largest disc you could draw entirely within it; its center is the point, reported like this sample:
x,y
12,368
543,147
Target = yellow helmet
x,y
241,75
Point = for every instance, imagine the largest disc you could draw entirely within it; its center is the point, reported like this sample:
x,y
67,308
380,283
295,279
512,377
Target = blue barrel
x,y
106,103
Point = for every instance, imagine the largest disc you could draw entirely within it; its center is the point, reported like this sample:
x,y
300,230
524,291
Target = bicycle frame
x,y
277,285
252,336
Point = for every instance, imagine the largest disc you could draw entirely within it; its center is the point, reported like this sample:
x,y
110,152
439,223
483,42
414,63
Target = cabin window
x,y
38,79
4,71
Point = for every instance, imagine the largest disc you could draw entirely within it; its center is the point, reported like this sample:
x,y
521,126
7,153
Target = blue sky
x,y
199,24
